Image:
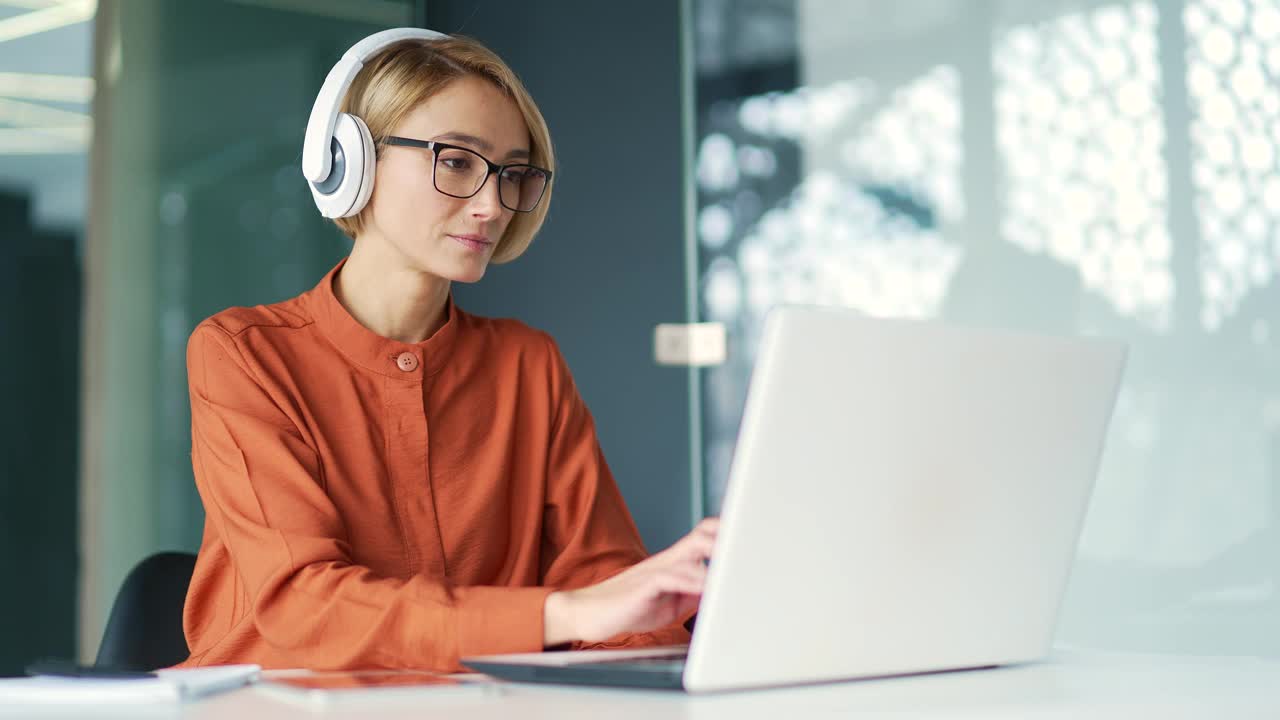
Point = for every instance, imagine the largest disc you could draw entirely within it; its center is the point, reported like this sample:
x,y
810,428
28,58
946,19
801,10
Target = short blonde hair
x,y
398,79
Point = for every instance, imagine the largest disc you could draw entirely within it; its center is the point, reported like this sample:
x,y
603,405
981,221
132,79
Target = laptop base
x,y
665,675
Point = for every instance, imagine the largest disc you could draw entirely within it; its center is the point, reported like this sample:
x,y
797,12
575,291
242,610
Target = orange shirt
x,y
372,503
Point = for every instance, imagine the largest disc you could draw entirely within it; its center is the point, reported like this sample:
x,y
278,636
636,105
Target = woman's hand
x,y
651,594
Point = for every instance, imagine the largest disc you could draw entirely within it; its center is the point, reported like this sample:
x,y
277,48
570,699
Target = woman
x,y
389,481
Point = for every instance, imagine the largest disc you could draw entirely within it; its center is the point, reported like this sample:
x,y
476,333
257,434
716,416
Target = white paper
x,y
171,686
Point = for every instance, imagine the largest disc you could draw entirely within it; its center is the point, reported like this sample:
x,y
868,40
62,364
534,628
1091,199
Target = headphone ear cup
x,y
369,154
350,182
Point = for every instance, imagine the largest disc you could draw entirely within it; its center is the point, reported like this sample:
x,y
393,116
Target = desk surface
x,y
1069,685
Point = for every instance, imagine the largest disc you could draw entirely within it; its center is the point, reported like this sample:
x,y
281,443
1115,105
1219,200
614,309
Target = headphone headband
x,y
316,157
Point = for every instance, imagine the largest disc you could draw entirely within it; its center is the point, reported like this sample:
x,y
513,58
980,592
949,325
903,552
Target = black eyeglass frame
x,y
435,147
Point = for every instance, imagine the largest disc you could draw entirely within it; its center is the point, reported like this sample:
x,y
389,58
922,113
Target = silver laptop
x,y
905,497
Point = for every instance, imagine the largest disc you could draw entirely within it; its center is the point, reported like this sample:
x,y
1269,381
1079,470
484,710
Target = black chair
x,y
144,631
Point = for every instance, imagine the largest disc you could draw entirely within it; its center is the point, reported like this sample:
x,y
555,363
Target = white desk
x,y
1070,685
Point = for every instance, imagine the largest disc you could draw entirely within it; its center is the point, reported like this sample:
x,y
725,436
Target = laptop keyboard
x,y
658,663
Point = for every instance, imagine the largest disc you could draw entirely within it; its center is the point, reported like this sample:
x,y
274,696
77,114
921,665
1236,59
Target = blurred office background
x,y
1080,167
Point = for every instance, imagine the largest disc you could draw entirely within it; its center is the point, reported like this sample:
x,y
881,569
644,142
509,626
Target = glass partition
x,y
199,204
46,88
1068,167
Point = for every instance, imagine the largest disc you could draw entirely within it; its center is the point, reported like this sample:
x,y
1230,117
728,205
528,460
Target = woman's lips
x,y
478,243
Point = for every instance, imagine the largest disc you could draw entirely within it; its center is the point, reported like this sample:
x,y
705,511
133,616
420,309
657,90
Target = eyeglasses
x,y
459,172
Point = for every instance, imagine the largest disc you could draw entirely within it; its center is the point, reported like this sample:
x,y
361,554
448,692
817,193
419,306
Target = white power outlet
x,y
685,344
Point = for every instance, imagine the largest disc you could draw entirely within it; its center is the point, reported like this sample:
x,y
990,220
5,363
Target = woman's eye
x,y
455,163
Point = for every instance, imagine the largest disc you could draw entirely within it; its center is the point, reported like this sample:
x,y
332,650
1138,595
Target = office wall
x,y
609,263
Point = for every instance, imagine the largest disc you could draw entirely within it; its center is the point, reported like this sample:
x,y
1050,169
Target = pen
x,y
66,668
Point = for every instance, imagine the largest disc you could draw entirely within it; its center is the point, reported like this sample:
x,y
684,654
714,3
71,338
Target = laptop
x,y
905,497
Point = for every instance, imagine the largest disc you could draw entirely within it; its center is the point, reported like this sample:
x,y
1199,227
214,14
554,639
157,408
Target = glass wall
x,y
1080,167
46,88
199,204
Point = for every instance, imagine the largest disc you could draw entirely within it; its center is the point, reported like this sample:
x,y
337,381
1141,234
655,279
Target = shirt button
x,y
407,361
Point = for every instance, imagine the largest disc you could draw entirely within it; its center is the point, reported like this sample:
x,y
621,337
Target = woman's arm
x,y
262,488
639,605
616,594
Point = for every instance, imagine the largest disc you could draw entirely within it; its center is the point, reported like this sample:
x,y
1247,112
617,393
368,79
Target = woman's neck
x,y
397,303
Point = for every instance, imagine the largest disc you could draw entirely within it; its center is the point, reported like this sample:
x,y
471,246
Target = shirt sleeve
x,y
589,535
263,489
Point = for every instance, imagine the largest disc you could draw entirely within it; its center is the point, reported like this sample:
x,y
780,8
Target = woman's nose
x,y
486,203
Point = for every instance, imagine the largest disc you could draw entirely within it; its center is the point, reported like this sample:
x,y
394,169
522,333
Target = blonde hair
x,y
398,79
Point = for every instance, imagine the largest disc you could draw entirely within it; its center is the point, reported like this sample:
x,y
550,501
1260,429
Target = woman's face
x,y
426,230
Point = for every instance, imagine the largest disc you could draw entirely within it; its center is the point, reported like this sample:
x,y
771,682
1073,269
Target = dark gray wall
x,y
39,447
609,263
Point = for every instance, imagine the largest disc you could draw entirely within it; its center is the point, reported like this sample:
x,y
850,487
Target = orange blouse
x,y
372,503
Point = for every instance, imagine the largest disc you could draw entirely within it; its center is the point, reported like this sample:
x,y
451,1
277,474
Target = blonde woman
x,y
388,480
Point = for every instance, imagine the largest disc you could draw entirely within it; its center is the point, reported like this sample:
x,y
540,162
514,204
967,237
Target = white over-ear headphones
x,y
338,153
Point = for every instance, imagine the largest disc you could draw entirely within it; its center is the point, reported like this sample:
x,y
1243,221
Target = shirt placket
x,y
408,455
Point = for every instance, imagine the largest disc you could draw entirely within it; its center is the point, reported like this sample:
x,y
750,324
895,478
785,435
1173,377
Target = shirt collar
x,y
374,352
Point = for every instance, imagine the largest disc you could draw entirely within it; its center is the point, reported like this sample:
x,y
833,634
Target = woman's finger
x,y
688,581
696,572
686,548
699,546
708,525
